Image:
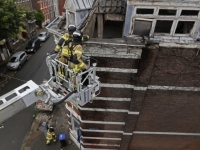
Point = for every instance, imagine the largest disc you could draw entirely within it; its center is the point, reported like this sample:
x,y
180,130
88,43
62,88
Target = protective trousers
x,y
63,58
50,136
61,70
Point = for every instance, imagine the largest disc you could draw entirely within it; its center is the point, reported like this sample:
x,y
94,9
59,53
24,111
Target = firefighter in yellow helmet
x,y
50,135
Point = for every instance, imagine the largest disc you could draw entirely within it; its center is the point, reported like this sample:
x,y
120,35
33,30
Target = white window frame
x,y
188,34
175,18
41,6
168,8
190,17
144,7
153,29
142,19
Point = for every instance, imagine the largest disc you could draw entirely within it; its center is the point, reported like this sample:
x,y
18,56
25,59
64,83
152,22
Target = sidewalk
x,y
3,69
35,140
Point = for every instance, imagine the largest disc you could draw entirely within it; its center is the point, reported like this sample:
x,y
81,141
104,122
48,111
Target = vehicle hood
x,y
12,64
41,37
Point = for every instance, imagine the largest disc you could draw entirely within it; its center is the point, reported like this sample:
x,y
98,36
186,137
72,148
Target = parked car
x,y
33,45
17,60
43,36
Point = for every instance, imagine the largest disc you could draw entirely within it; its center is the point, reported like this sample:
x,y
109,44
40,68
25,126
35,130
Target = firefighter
x,y
50,135
75,61
66,38
76,49
63,46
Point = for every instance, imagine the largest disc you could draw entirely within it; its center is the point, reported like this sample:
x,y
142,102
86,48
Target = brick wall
x,y
61,6
168,115
118,112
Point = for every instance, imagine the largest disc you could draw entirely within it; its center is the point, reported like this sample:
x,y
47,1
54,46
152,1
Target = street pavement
x,y
35,138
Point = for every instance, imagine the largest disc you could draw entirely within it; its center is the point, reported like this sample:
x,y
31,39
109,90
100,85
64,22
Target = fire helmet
x,y
77,37
71,28
51,129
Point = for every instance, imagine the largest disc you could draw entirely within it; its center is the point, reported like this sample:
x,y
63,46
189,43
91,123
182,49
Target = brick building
x,y
47,7
61,7
148,64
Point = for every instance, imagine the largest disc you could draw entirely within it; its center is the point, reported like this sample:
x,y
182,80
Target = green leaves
x,y
11,18
39,16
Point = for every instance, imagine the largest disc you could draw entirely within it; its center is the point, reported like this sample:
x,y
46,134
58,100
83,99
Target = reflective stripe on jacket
x,y
77,62
50,135
65,39
65,51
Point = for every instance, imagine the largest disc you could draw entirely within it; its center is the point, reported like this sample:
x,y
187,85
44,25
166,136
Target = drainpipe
x,y
80,142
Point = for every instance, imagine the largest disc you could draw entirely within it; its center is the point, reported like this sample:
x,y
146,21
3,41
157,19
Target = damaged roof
x,y
77,5
165,1
112,6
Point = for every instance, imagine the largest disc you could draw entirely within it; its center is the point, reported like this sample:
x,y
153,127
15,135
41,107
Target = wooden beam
x,y
100,25
114,17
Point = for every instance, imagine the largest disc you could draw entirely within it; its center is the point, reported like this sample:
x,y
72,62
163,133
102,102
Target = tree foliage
x,y
27,13
11,19
39,16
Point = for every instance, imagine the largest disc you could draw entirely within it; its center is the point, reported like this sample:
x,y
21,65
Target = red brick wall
x,y
46,8
61,6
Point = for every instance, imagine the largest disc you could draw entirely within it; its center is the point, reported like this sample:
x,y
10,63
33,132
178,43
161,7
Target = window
x,y
71,18
184,27
21,56
41,4
163,26
76,127
14,40
24,88
44,4
13,59
1,102
189,13
11,96
142,27
37,42
144,11
167,12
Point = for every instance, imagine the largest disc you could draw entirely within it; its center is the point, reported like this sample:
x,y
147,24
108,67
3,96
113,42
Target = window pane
x,y
167,12
1,102
184,27
189,13
11,96
142,27
144,11
163,26
23,89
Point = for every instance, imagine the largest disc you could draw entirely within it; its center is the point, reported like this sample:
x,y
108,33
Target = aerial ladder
x,y
80,88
